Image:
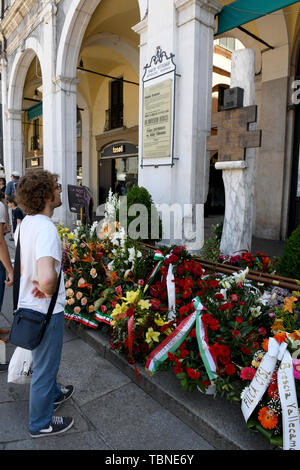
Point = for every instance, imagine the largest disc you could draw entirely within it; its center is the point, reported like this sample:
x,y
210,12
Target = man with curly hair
x,y
41,254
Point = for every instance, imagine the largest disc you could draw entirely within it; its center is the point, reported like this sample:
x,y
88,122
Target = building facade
x,y
73,96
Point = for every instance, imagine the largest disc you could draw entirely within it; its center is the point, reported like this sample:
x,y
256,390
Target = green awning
x,y
35,111
242,11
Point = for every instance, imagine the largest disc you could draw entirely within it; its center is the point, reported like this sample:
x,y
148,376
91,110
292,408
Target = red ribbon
x,y
130,325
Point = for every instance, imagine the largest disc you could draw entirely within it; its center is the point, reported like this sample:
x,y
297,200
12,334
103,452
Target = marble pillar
x,y
239,176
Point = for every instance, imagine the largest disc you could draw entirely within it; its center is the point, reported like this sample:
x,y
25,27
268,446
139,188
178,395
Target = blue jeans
x,y
44,390
2,284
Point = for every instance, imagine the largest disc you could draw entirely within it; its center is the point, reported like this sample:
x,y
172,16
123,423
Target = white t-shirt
x,y
38,238
3,213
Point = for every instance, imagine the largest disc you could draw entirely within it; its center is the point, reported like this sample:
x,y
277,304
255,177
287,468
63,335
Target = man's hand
x,y
10,279
36,292
6,228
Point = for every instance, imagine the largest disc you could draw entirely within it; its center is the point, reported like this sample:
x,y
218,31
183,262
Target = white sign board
x,y
158,111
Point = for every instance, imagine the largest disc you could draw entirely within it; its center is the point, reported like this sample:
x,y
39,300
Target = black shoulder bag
x,y
28,325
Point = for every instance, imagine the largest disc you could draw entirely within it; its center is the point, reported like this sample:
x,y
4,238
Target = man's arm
x,y
47,277
5,257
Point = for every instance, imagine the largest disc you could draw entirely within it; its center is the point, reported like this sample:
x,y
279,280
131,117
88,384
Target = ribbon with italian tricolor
x,y
176,338
80,318
160,257
287,391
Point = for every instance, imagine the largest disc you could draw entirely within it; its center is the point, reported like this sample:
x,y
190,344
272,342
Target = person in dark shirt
x,y
17,214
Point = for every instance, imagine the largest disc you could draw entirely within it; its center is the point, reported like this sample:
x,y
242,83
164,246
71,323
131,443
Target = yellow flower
x,y
144,304
255,363
140,321
118,310
158,320
131,296
152,336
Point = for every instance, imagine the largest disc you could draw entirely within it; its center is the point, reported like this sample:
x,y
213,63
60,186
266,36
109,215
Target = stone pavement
x,y
113,411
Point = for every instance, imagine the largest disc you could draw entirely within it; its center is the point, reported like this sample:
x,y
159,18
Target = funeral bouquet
x,y
256,262
84,272
271,390
219,322
136,328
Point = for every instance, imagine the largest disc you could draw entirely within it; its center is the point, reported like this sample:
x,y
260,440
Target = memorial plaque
x,y
158,110
157,119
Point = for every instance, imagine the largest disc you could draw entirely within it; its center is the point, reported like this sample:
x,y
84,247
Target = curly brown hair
x,y
34,188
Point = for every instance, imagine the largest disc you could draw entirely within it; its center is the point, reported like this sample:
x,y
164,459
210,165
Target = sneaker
x,y
4,367
58,425
66,393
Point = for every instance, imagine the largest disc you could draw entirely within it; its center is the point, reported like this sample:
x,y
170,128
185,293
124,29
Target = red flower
x,y
262,331
247,373
197,269
155,304
235,333
226,306
219,296
184,353
213,283
183,310
239,319
186,293
230,369
180,270
171,357
224,359
234,297
210,321
273,391
178,250
187,266
192,373
224,350
178,369
245,350
103,308
173,259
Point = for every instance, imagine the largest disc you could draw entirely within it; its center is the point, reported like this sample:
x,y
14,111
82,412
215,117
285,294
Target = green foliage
x,y
289,262
211,247
141,221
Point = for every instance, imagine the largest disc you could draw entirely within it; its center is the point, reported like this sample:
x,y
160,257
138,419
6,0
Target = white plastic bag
x,y
20,366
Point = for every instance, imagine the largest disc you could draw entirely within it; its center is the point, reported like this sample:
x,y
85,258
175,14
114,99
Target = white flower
x,y
243,392
265,298
240,276
255,311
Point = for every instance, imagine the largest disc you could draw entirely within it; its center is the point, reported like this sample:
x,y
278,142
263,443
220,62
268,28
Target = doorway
x,y
294,212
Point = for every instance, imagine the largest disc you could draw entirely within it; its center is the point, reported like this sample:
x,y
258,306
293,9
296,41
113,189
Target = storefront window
x,y
126,174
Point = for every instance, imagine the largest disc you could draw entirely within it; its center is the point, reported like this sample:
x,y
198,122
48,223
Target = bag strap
x,y
16,282
17,274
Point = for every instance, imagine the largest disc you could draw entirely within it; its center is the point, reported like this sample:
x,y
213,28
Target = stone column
x,y
239,176
49,96
65,159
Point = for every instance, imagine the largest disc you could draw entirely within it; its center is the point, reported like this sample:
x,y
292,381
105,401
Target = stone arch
x,y
13,124
22,61
75,24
